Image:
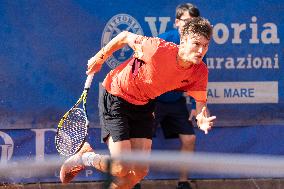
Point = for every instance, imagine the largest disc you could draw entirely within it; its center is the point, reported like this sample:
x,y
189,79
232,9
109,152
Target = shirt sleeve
x,y
198,88
145,47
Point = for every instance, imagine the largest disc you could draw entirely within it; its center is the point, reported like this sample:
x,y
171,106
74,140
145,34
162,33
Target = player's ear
x,y
176,25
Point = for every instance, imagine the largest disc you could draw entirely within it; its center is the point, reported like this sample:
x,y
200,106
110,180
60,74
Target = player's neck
x,y
183,63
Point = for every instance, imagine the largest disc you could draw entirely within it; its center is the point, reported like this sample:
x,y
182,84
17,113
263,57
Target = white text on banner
x,y
242,92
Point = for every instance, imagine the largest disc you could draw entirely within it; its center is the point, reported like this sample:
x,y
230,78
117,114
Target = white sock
x,y
91,158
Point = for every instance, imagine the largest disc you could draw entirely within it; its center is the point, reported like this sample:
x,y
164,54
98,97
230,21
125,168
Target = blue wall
x,y
45,46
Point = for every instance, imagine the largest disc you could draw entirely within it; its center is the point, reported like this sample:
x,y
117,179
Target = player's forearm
x,y
115,44
199,106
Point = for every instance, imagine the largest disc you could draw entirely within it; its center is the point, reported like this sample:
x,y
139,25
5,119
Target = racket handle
x,y
88,81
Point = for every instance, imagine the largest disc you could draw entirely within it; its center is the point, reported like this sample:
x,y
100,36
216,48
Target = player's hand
x,y
93,68
95,63
205,123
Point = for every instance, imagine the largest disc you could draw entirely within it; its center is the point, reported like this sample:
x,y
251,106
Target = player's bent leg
x,y
119,169
73,165
87,157
130,180
140,170
137,172
100,162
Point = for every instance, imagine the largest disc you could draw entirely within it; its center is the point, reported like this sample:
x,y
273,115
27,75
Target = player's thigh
x,y
141,144
118,147
119,168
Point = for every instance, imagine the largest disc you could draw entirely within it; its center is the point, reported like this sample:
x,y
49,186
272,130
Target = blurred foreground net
x,y
244,166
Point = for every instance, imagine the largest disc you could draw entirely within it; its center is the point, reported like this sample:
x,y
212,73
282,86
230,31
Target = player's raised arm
x,y
118,42
203,121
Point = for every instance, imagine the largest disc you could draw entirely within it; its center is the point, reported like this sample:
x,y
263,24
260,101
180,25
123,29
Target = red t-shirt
x,y
154,73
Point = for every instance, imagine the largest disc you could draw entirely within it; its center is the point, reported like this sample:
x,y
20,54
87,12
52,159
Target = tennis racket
x,y
73,126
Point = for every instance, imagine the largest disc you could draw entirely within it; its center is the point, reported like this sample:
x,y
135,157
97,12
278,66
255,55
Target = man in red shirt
x,y
157,66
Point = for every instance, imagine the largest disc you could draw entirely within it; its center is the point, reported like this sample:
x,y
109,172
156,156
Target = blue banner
x,y
45,46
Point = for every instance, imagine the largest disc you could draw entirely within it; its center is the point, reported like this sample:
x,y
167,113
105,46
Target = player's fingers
x,y
88,72
211,118
92,61
206,131
89,64
94,68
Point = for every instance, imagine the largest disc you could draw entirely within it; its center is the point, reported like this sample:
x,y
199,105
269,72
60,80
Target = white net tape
x,y
246,165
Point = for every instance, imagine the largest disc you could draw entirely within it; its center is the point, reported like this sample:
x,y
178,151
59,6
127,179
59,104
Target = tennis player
x,y
157,66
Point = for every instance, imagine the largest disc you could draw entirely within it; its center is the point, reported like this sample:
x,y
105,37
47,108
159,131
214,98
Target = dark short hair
x,y
190,8
197,26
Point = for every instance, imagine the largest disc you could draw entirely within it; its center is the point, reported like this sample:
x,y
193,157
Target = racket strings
x,y
72,133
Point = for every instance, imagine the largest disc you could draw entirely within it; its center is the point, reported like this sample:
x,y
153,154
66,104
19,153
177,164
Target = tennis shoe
x,y
137,186
183,185
73,165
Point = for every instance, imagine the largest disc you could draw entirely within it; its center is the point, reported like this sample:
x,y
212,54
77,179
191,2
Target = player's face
x,y
193,48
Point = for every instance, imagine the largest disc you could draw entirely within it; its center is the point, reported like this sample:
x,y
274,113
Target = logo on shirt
x,y
117,24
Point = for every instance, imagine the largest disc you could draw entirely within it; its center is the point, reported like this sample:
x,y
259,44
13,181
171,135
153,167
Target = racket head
x,y
71,132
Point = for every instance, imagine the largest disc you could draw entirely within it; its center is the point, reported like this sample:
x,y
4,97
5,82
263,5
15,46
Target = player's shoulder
x,y
148,42
161,43
203,67
154,44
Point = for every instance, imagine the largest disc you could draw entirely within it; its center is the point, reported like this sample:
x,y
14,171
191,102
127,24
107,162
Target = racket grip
x,y
89,81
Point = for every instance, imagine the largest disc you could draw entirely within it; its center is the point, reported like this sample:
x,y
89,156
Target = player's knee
x,y
188,140
120,170
140,173
134,176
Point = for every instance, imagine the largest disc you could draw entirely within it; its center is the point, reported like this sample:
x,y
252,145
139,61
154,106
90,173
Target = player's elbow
x,y
123,36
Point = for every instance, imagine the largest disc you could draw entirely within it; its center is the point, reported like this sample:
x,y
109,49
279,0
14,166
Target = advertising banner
x,y
45,46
